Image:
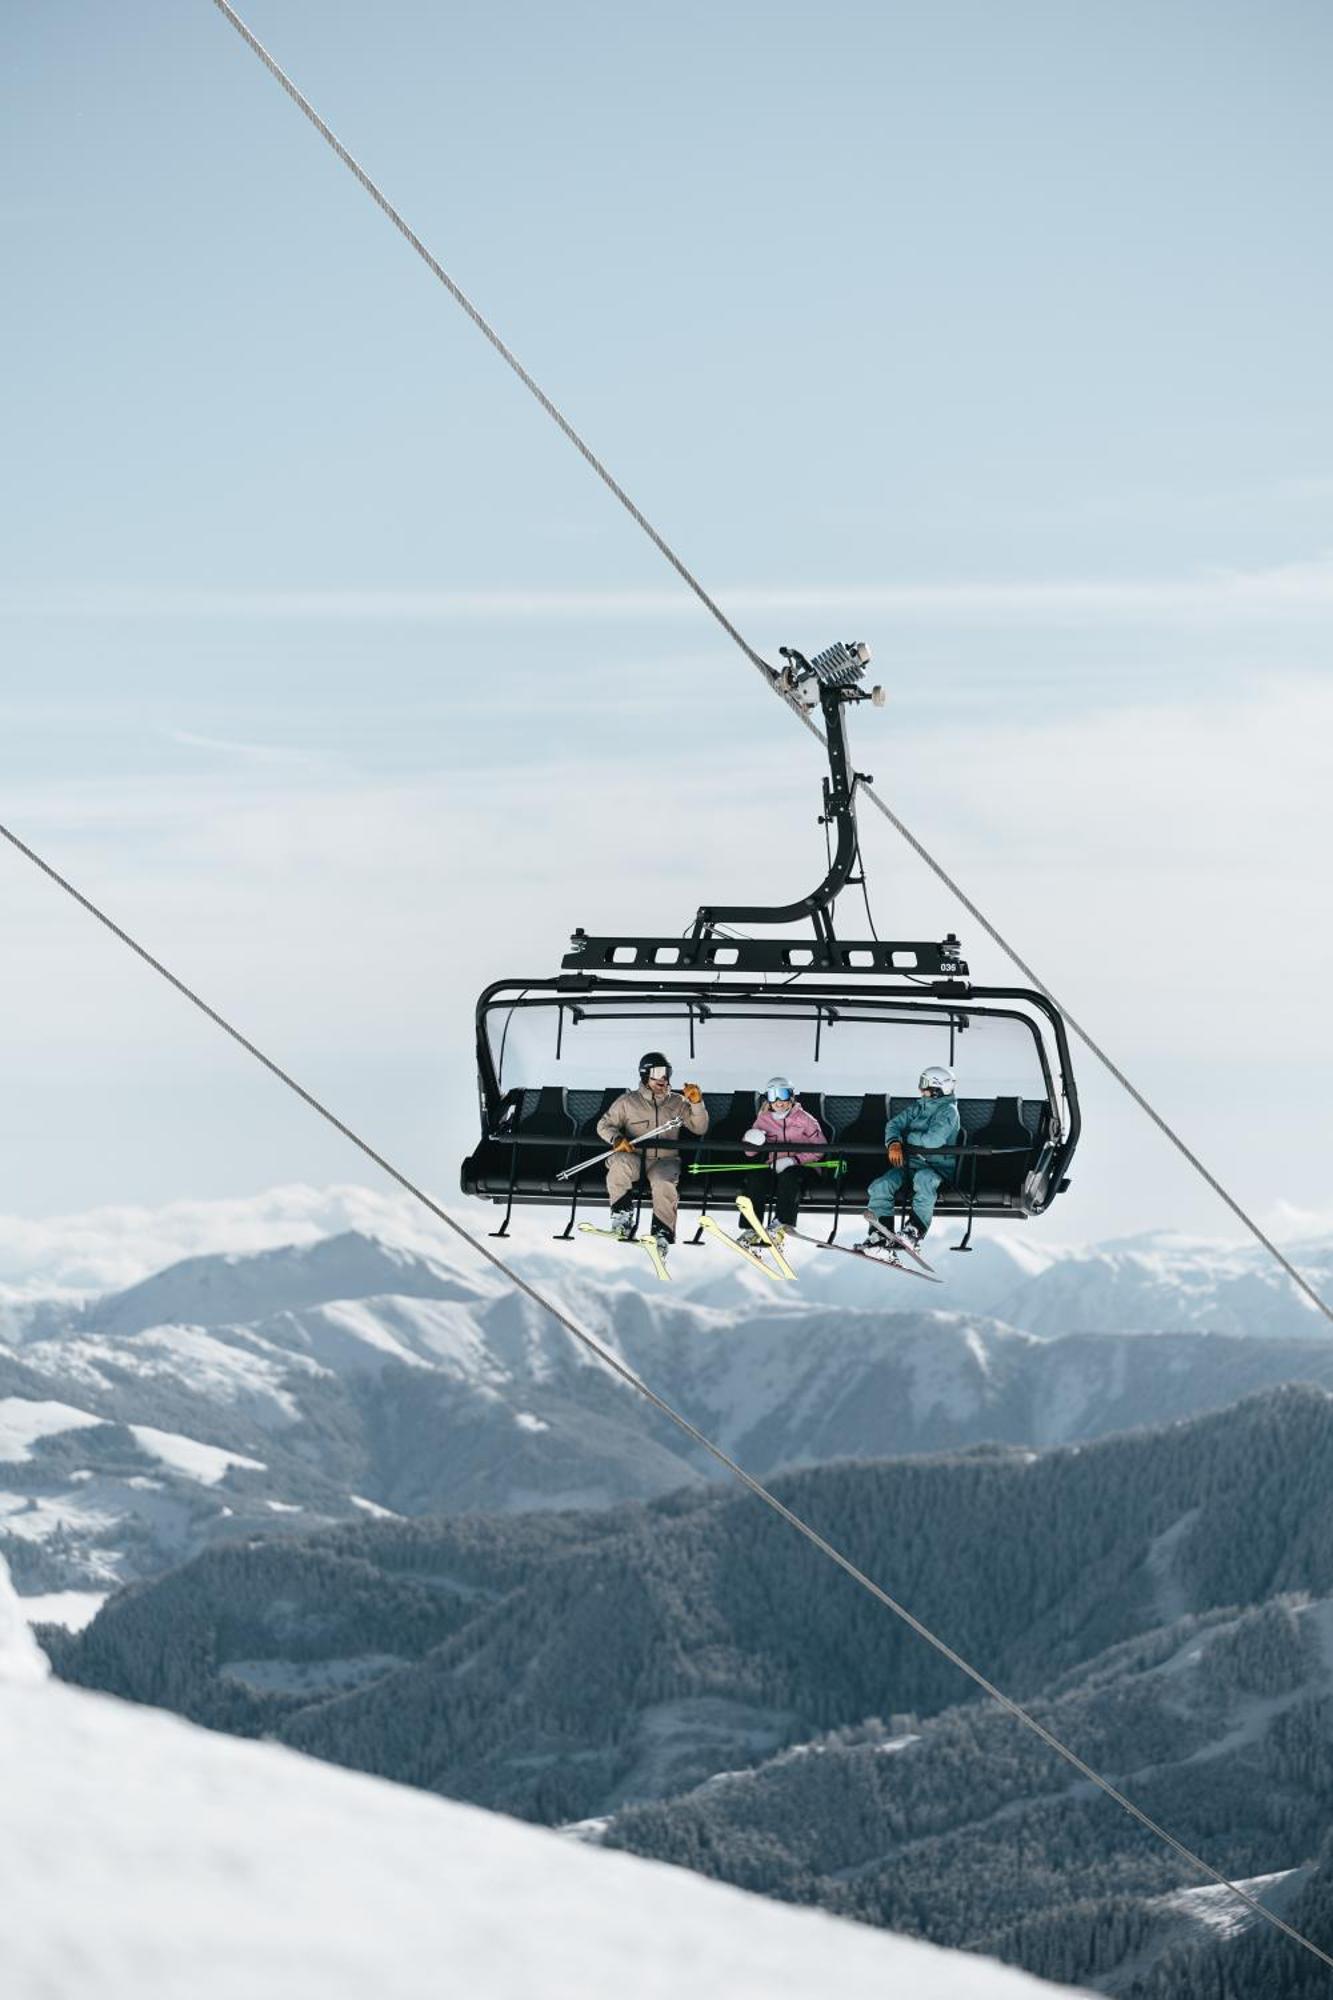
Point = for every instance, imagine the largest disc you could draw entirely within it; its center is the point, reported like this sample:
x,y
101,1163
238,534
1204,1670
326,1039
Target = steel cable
x,y
635,1381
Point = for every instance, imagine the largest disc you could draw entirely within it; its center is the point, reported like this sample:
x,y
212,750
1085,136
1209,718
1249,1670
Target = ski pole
x,y
568,1172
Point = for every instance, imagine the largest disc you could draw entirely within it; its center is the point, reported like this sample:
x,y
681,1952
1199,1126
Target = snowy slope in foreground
x,y
150,1859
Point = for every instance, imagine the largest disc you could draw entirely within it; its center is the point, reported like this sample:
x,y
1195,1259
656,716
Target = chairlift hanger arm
x,y
832,678
833,675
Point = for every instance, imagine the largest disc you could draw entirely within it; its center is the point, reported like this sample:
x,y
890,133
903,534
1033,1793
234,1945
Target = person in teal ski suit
x,y
931,1123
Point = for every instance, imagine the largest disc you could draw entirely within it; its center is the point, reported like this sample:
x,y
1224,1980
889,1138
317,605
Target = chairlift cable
x,y
621,1368
865,890
711,605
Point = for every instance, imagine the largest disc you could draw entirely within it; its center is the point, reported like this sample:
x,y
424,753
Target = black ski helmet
x,y
653,1060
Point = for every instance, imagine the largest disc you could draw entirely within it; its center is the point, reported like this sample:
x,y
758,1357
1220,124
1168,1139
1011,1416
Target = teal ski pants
x,y
926,1185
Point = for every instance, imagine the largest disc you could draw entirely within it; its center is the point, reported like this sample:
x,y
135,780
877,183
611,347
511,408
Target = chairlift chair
x,y
853,1023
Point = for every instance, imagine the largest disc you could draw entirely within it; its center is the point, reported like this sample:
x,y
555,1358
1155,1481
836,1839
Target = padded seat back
x,y
867,1127
731,1113
584,1107
1035,1113
837,1114
542,1114
1005,1126
987,1122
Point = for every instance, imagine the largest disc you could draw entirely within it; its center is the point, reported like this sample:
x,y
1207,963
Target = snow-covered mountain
x,y
1158,1283
144,1859
280,1389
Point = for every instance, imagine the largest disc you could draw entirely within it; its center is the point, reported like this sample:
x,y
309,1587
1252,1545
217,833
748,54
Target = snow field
x,y
207,1463
145,1859
22,1423
71,1608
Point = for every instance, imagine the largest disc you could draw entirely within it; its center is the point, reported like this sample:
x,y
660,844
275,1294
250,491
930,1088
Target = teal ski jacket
x,y
929,1122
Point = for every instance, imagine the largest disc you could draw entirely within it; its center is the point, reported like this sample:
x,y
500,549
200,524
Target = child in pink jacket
x,y
790,1138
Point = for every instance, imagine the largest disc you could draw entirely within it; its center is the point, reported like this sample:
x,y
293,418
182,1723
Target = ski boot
x,y
656,1244
622,1224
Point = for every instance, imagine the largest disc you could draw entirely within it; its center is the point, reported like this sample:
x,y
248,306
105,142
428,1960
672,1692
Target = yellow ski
x,y
720,1235
748,1210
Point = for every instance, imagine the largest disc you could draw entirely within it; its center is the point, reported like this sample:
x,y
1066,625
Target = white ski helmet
x,y
937,1081
778,1090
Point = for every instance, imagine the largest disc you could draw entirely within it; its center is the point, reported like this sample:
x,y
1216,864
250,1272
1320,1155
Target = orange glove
x,y
623,1146
896,1153
691,1093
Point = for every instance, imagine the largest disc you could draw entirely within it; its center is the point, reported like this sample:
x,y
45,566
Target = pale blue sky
x,y
995,335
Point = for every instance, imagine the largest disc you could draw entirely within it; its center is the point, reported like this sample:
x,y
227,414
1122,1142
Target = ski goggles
x,y
658,1075
781,1096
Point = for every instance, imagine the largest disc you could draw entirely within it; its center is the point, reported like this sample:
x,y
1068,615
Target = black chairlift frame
x,y
1013,1155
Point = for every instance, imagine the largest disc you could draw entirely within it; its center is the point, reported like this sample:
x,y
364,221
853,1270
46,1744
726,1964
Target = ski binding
x,y
648,1243
892,1240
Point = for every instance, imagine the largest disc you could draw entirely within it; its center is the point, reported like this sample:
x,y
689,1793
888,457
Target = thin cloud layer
x,y
104,1249
1300,589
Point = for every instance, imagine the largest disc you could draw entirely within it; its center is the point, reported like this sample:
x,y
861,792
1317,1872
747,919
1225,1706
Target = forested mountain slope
x,y
558,1664
966,1827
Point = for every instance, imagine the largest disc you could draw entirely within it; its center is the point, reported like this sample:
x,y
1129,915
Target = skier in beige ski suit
x,y
634,1113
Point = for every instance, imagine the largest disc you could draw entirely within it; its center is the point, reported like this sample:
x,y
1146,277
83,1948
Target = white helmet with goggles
x,y
937,1081
778,1090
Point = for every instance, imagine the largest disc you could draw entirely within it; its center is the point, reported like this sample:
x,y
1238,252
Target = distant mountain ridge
x,y
355,1371
1157,1283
